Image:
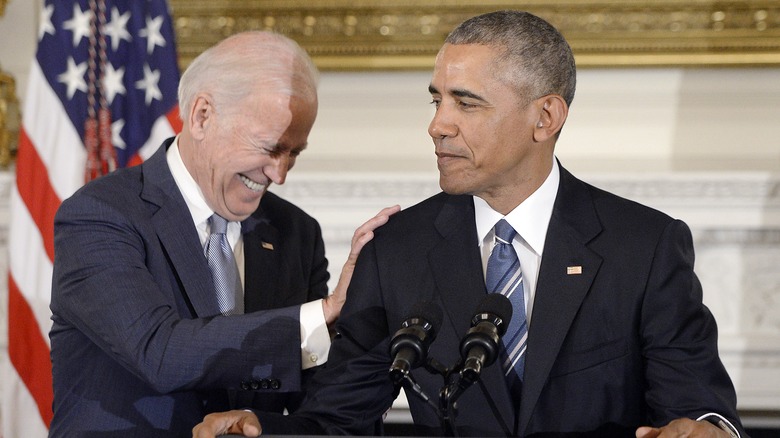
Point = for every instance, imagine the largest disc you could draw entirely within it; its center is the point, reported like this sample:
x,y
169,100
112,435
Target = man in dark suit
x,y
140,344
612,336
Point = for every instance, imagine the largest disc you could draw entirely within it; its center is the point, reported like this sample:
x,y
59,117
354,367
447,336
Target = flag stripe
x,y
160,129
36,191
15,394
30,352
174,119
52,133
29,264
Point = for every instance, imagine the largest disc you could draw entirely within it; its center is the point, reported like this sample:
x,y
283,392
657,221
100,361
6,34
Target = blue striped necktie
x,y
224,269
504,276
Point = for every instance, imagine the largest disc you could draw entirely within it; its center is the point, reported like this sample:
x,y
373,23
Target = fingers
x,y
364,233
647,432
682,427
239,422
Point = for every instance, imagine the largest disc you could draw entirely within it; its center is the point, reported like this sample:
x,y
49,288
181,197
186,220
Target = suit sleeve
x,y
684,374
351,392
113,285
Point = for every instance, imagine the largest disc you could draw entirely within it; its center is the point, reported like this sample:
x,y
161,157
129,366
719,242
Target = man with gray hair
x,y
179,285
608,335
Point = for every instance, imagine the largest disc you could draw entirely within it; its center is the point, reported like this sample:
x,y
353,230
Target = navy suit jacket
x,y
624,343
138,345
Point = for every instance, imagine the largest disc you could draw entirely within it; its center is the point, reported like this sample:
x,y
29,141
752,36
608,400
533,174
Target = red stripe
x,y
32,181
29,351
174,119
176,125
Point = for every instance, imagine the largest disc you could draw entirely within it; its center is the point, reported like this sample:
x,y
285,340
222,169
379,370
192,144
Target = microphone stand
x,y
450,392
445,408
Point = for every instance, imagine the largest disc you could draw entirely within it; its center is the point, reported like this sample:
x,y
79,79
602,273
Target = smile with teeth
x,y
252,185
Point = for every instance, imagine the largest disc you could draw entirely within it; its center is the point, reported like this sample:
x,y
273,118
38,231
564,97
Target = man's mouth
x,y
252,185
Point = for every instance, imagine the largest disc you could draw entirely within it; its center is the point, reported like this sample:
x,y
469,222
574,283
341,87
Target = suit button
x,y
244,385
255,384
275,384
264,383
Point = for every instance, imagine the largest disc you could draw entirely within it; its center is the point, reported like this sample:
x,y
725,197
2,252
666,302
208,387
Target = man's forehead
x,y
458,79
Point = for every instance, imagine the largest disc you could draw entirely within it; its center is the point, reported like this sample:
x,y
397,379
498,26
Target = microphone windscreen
x,y
495,304
428,311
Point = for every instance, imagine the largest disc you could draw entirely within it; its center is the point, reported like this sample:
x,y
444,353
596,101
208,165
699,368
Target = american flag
x,y
101,95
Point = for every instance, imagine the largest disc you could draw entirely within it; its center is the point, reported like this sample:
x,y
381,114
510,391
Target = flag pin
x,y
574,270
267,245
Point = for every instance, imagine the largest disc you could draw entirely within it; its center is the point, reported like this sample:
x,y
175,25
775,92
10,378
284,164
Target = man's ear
x,y
200,115
552,110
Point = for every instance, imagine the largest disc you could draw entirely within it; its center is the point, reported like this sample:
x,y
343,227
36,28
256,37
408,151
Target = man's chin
x,y
451,188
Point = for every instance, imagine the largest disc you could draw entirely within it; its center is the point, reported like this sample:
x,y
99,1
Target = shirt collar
x,y
530,219
196,202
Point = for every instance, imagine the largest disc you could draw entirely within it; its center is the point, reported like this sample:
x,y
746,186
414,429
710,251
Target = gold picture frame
x,y
406,34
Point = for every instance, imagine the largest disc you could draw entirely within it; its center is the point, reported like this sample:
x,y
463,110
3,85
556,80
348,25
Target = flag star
x,y
149,82
112,82
117,28
79,24
73,77
116,131
46,26
152,33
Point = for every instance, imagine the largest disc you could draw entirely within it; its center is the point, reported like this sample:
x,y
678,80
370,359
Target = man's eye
x,y
435,102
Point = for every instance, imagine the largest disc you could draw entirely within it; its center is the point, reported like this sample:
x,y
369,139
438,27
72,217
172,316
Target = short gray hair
x,y
536,57
245,62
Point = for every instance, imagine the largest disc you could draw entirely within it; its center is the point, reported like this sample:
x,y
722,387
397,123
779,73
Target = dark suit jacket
x,y
138,348
625,343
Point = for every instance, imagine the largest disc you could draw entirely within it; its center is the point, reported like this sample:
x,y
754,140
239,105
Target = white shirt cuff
x,y
721,422
315,338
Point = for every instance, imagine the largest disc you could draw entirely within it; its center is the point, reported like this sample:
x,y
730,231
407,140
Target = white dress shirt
x,y
530,219
315,339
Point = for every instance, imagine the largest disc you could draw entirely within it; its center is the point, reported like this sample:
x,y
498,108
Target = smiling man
x,y
164,273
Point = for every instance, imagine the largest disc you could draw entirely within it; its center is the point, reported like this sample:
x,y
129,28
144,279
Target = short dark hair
x,y
537,57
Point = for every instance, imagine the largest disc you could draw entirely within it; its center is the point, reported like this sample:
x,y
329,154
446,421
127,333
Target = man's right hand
x,y
244,423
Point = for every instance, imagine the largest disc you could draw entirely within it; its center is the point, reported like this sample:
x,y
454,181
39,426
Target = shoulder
x,y
121,189
283,214
577,199
425,218
617,211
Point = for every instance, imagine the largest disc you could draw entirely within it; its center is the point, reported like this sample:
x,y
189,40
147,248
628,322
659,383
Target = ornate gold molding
x,y
9,119
406,34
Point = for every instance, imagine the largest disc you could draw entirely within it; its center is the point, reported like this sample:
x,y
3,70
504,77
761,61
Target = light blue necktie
x,y
224,269
504,276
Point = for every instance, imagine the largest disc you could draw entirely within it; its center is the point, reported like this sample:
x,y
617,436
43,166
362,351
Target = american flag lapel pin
x,y
573,270
267,245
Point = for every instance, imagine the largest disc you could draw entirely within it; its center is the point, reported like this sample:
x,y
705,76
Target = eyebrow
x,y
458,93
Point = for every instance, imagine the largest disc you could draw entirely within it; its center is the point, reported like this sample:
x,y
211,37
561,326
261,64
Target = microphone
x,y
409,346
479,347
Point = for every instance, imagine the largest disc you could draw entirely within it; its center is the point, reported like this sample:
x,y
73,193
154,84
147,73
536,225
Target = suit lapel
x,y
566,273
455,262
262,260
177,234
457,269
